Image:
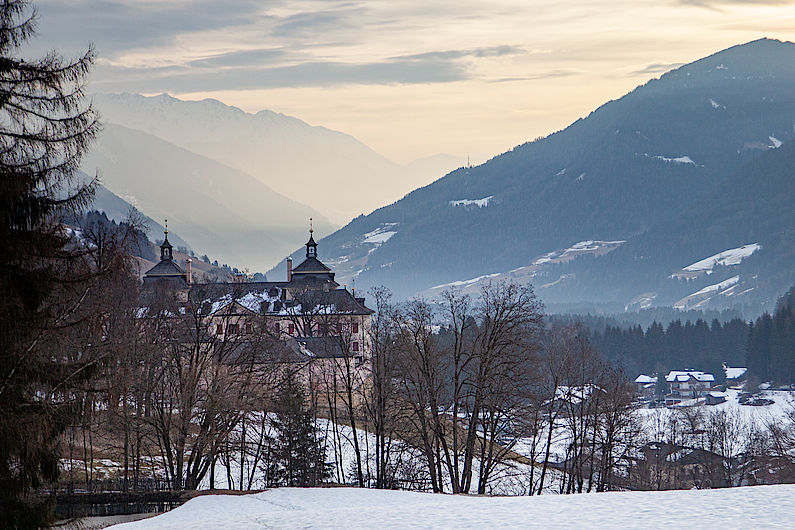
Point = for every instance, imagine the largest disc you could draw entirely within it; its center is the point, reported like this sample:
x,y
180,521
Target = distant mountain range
x,y
221,211
611,211
117,209
332,172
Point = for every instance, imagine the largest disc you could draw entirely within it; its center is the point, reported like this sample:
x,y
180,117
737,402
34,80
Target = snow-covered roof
x,y
735,373
681,376
645,379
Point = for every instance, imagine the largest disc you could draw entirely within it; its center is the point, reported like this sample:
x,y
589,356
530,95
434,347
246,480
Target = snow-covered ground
x,y
753,507
775,414
701,297
732,256
480,203
381,234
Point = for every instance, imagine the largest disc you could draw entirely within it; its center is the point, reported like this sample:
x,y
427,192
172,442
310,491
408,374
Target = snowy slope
x,y
728,257
756,507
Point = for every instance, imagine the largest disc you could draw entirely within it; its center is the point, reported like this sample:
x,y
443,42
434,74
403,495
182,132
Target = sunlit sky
x,y
409,78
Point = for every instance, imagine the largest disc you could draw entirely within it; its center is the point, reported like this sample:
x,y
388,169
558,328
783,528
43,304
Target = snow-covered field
x,y
751,507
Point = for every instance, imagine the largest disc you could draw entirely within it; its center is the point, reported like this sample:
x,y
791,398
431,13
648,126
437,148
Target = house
x,y
646,385
734,375
688,384
715,398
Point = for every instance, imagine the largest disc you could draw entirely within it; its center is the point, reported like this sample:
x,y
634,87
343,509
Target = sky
x,y
409,78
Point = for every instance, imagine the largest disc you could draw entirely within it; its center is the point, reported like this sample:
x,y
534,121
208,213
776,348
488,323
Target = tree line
x,y
766,347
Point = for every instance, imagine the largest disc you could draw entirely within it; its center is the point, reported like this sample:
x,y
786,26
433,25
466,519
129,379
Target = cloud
x,y
493,51
309,23
257,57
308,74
118,25
713,4
656,68
552,74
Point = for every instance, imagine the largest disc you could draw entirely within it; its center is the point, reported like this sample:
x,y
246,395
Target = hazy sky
x,y
409,78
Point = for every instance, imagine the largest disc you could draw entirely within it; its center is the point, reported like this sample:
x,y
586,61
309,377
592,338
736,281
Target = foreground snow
x,y
756,507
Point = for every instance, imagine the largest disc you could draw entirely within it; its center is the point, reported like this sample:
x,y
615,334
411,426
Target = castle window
x,y
219,329
355,327
232,328
291,329
248,327
355,346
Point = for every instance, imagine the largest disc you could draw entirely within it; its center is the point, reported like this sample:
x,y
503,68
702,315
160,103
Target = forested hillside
x,y
663,172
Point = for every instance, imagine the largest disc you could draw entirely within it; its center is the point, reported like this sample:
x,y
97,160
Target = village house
x,y
646,386
688,384
734,375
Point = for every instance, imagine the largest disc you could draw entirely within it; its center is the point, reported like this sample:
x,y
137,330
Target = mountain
x,y
332,172
222,211
609,209
117,209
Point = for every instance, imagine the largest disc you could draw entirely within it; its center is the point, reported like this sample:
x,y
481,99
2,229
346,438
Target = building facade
x,y
309,314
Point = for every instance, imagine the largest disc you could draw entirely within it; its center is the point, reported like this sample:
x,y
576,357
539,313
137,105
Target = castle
x,y
308,312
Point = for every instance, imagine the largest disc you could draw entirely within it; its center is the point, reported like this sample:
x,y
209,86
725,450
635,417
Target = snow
x,y
715,104
381,234
462,283
378,237
675,375
702,297
644,379
480,203
684,159
732,256
776,143
582,176
581,247
718,286
734,373
756,506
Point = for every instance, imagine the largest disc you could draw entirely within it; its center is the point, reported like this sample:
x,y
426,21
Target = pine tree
x,y
299,450
45,127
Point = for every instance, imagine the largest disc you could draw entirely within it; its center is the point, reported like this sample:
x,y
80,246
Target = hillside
x,y
221,211
331,171
662,173
117,209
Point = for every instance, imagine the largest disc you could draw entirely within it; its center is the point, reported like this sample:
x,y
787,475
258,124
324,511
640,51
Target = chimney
x,y
289,269
188,273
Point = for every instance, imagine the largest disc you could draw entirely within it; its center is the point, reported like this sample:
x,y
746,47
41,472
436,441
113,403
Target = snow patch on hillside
x,y
733,256
684,159
381,234
480,203
775,143
715,104
702,297
463,283
722,286
583,247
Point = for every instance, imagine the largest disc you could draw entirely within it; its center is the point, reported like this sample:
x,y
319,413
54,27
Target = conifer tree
x,y
45,127
299,452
